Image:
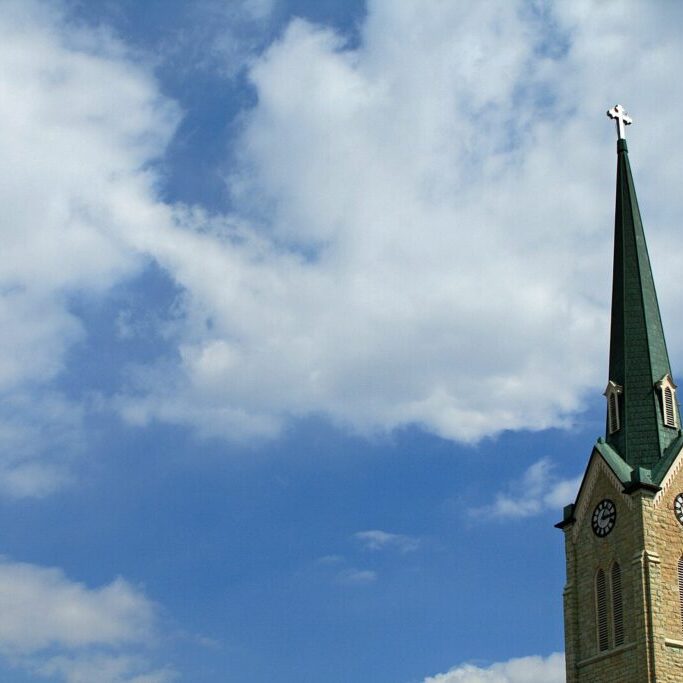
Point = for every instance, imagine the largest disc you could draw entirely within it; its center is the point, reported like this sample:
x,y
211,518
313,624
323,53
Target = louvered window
x,y
667,390
613,411
601,609
680,588
612,394
617,606
669,410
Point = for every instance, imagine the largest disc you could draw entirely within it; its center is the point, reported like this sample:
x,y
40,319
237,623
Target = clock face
x,y
605,516
678,507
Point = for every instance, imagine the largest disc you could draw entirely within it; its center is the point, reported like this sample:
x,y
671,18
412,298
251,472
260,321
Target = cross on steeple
x,y
622,119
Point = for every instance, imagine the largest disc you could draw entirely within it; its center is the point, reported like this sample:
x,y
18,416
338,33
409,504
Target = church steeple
x,y
623,600
642,412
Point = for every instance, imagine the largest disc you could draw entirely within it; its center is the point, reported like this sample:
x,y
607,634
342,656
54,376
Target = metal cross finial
x,y
622,118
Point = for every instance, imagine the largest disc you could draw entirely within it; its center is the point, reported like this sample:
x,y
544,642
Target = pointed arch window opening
x,y
612,393
601,610
617,606
667,394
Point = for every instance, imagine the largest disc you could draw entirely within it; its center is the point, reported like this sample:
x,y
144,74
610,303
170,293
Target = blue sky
x,y
305,325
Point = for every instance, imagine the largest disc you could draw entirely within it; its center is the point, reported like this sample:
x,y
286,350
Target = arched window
x,y
601,609
617,606
667,390
613,414
669,412
680,588
612,394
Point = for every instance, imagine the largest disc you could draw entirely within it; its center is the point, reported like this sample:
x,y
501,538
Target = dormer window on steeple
x,y
612,393
667,391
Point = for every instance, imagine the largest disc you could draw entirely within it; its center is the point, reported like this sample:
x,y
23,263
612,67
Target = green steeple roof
x,y
638,356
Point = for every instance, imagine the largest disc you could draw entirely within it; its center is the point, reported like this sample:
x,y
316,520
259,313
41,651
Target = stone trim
x,y
670,476
604,655
670,642
652,557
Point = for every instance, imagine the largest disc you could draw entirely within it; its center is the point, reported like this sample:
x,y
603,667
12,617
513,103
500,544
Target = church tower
x,y
623,600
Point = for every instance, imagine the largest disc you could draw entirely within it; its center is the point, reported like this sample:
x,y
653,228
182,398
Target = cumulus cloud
x,y
538,490
79,128
376,539
53,626
523,670
424,224
421,227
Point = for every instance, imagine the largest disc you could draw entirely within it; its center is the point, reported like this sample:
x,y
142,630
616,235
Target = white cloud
x,y
341,573
376,539
356,577
53,626
421,232
433,210
330,560
79,127
523,670
103,669
218,36
40,607
537,491
39,436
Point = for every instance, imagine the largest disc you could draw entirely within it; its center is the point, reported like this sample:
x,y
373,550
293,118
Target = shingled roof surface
x,y
638,354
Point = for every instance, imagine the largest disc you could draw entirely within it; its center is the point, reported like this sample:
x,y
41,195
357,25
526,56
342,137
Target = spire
x,y
643,417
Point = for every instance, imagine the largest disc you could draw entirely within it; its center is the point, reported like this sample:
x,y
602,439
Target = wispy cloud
x,y
217,36
330,560
103,669
538,490
40,437
522,670
382,540
373,540
356,577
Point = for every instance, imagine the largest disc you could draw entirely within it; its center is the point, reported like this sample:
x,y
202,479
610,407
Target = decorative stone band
x,y
641,556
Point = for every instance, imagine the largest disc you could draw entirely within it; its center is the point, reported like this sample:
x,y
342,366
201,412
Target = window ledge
x,y
670,642
608,653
